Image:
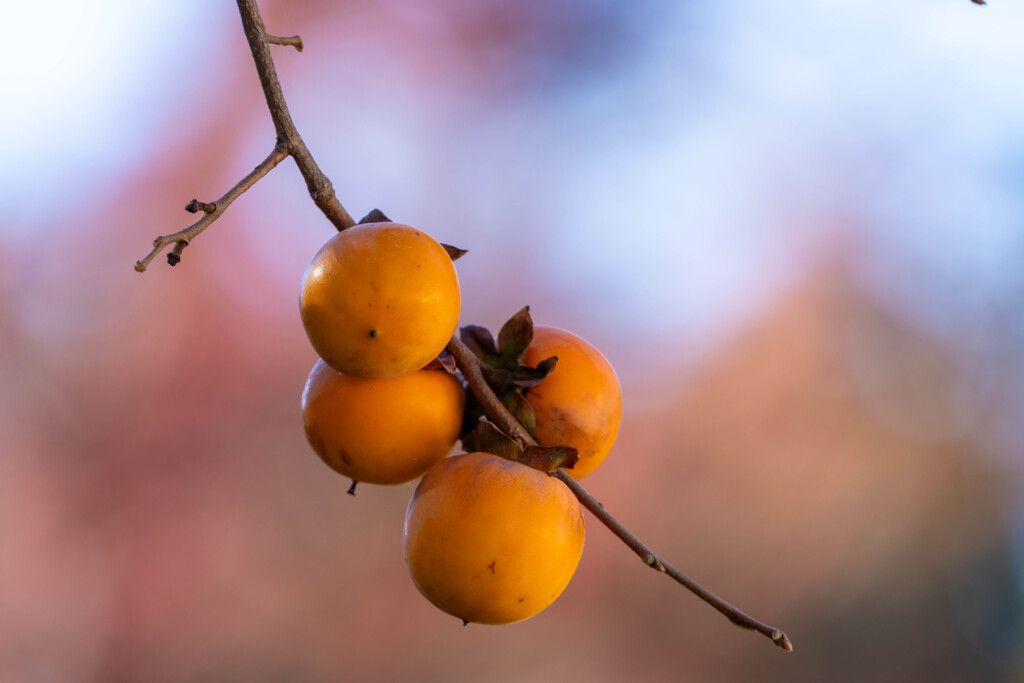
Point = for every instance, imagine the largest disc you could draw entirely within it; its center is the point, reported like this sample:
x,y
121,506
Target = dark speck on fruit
x,y
373,333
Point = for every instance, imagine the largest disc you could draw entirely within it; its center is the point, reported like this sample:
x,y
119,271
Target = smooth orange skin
x,y
380,300
491,541
580,403
382,431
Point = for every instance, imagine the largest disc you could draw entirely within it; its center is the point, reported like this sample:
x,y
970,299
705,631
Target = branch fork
x,y
289,144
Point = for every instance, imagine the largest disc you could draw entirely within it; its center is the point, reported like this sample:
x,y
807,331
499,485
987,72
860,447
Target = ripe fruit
x,y
491,541
380,300
382,431
580,403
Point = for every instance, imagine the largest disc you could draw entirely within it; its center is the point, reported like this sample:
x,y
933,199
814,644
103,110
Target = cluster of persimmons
x,y
489,536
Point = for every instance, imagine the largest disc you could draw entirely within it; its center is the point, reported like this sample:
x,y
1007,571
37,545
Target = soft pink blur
x,y
818,457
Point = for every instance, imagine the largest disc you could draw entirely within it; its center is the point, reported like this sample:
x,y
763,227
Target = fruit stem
x,y
470,366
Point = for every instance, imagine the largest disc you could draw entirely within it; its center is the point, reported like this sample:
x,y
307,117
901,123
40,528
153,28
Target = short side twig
x,y
293,41
470,366
211,212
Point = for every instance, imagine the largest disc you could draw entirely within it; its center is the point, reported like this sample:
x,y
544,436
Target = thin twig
x,y
470,366
181,238
294,41
653,561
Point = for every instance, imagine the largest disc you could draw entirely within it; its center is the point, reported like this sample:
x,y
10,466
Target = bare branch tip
x,y
782,640
140,267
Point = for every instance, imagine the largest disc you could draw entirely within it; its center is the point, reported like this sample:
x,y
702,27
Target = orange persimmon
x,y
380,300
580,403
491,541
382,431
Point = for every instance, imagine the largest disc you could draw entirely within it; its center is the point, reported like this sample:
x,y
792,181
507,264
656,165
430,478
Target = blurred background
x,y
796,230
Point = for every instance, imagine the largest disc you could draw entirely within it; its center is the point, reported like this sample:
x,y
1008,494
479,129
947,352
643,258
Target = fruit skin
x,y
580,403
380,300
491,541
382,431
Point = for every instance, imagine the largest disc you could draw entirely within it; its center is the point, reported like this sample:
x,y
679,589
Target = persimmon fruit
x,y
382,431
380,300
491,541
580,403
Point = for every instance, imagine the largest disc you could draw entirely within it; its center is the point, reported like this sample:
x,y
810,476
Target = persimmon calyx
x,y
488,438
503,366
444,361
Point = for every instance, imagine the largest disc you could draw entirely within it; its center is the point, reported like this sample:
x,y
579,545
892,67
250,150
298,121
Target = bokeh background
x,y
796,229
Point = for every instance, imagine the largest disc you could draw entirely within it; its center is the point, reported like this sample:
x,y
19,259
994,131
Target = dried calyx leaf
x,y
444,361
513,338
548,458
504,371
454,253
488,438
375,216
524,376
480,342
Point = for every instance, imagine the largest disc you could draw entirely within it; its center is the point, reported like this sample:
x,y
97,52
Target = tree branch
x,y
319,186
470,366
211,212
289,143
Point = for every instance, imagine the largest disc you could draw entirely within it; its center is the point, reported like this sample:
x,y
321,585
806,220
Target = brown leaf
x,y
515,335
375,216
480,342
489,439
548,458
525,414
525,376
454,252
445,361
